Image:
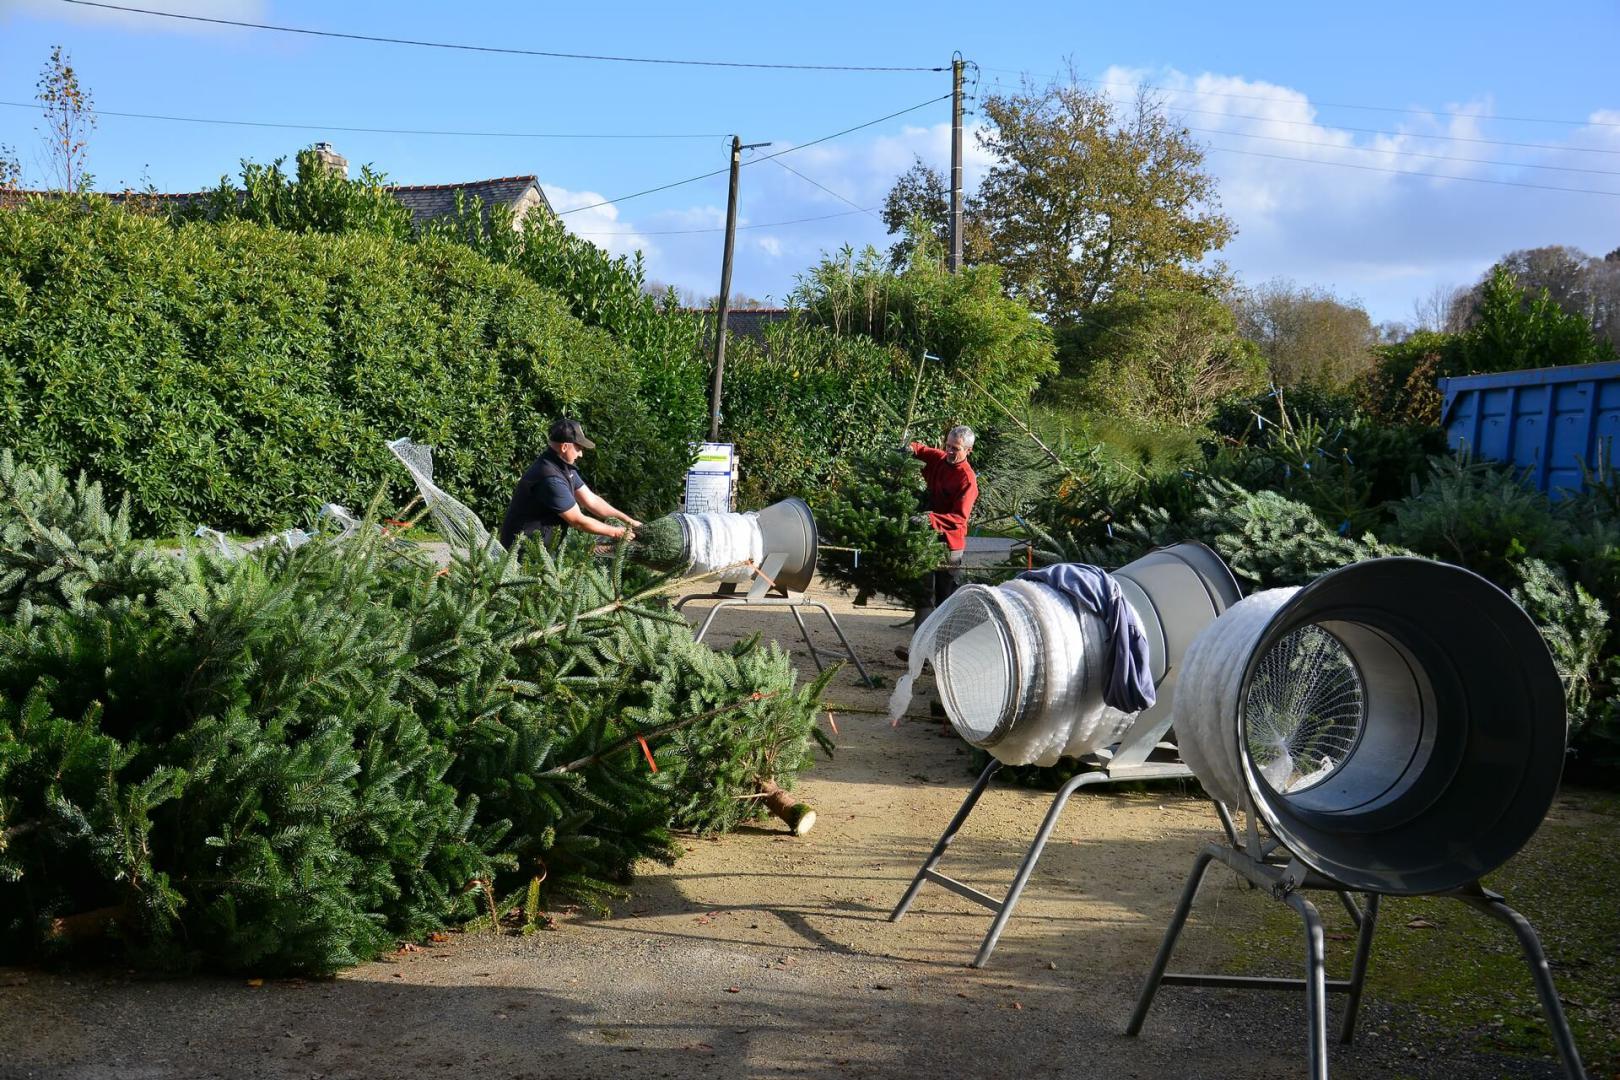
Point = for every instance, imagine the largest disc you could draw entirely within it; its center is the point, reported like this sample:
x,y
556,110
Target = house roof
x,y
753,321
424,201
428,201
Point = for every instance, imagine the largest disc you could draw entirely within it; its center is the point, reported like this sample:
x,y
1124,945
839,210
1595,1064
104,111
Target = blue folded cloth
x,y
1092,589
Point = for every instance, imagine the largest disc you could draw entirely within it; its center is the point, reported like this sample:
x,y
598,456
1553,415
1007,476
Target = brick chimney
x,y
333,160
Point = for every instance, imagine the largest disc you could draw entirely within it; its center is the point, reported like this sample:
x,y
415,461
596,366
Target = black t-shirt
x,y
541,497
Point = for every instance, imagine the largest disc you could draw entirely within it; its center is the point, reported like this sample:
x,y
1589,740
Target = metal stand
x,y
764,593
1152,761
1285,882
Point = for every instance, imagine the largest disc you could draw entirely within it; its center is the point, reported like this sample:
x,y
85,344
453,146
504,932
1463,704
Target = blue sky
x,y
1436,82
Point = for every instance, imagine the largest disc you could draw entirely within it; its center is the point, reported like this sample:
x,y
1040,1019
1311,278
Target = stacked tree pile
x,y
291,761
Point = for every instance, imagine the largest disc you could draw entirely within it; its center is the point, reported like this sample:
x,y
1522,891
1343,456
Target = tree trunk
x,y
798,816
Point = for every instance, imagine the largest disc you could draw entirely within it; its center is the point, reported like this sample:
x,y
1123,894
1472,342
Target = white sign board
x,y
711,482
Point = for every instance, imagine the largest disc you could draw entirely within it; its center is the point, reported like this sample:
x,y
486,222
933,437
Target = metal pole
x,y
954,260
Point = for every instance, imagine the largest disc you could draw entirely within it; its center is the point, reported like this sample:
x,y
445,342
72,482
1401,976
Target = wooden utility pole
x,y
724,304
954,260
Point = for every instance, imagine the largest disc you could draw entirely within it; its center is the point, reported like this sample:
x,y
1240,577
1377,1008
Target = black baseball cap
x,y
566,430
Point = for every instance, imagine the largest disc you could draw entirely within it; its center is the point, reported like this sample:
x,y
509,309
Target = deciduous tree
x,y
1088,199
70,116
1307,335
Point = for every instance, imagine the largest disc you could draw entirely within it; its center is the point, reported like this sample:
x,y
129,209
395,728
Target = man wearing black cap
x,y
550,495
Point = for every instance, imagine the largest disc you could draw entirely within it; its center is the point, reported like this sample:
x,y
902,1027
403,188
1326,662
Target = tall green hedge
x,y
237,375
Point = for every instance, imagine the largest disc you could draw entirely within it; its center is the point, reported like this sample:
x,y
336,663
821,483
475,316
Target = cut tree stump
x,y
800,817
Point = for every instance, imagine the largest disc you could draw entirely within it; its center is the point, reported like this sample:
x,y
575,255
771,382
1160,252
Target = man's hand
x,y
903,450
922,519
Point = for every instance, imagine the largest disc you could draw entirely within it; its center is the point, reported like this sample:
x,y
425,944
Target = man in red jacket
x,y
952,489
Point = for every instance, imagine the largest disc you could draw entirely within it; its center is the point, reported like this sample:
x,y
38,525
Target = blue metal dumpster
x,y
1548,421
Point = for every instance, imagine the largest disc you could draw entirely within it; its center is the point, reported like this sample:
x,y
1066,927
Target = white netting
x,y
1298,719
1211,682
235,549
454,520
716,541
1020,672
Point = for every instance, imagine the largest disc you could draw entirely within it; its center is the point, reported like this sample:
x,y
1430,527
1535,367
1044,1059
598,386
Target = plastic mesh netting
x,y
454,520
1303,710
1020,672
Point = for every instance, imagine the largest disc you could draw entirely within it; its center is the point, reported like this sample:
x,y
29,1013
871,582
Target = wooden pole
x,y
725,294
954,260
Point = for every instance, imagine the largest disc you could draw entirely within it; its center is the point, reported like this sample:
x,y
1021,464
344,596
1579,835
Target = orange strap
x,y
647,751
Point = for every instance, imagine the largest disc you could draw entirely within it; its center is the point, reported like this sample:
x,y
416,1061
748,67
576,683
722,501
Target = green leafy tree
x,y
1514,330
1086,201
919,200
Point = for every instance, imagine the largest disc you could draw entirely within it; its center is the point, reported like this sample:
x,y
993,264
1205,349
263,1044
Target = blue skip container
x,y
1552,423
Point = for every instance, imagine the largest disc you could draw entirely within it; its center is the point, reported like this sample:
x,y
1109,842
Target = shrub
x,y
240,376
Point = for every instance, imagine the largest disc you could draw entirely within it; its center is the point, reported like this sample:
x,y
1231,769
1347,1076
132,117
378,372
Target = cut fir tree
x,y
660,544
878,513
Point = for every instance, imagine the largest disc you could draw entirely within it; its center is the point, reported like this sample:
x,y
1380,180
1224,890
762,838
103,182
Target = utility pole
x,y
737,148
954,259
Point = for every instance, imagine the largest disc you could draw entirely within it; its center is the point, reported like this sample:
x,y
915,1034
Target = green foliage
x,y
1513,330
241,376
289,761
879,512
1575,627
1480,515
962,319
1087,201
1163,357
317,200
660,544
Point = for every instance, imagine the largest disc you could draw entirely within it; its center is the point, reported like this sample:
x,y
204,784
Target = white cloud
x,y
1351,210
598,221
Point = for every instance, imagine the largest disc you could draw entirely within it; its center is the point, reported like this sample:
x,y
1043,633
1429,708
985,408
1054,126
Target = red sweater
x,y
952,491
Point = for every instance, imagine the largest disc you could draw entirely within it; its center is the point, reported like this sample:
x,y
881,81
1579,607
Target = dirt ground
x,y
761,954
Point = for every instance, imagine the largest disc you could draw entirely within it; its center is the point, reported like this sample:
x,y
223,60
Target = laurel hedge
x,y
231,374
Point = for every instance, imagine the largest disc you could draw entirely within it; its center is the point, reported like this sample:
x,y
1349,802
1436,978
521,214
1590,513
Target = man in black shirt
x,y
549,497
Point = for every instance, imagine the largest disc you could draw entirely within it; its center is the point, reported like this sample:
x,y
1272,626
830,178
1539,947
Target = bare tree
x,y
1306,334
70,116
1444,309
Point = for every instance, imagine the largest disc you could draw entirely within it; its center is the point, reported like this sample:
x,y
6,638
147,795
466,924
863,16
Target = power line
x,y
1321,104
487,48
1396,134
760,225
368,130
1405,153
1414,172
755,161
823,187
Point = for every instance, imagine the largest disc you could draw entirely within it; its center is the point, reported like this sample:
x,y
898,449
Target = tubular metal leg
x,y
709,618
1315,985
1536,958
1358,970
844,641
945,839
1350,907
815,653
1144,1001
1031,857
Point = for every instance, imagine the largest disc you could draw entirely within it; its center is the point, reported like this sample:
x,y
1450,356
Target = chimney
x,y
333,160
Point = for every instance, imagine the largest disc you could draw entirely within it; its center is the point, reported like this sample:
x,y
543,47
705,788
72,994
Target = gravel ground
x,y
759,954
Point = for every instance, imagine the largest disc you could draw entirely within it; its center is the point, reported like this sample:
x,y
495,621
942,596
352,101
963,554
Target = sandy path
x,y
759,954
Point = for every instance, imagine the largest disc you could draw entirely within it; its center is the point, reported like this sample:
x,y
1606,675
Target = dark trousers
x,y
948,578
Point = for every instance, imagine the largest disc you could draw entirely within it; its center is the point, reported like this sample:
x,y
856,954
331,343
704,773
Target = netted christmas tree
x,y
289,761
878,512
